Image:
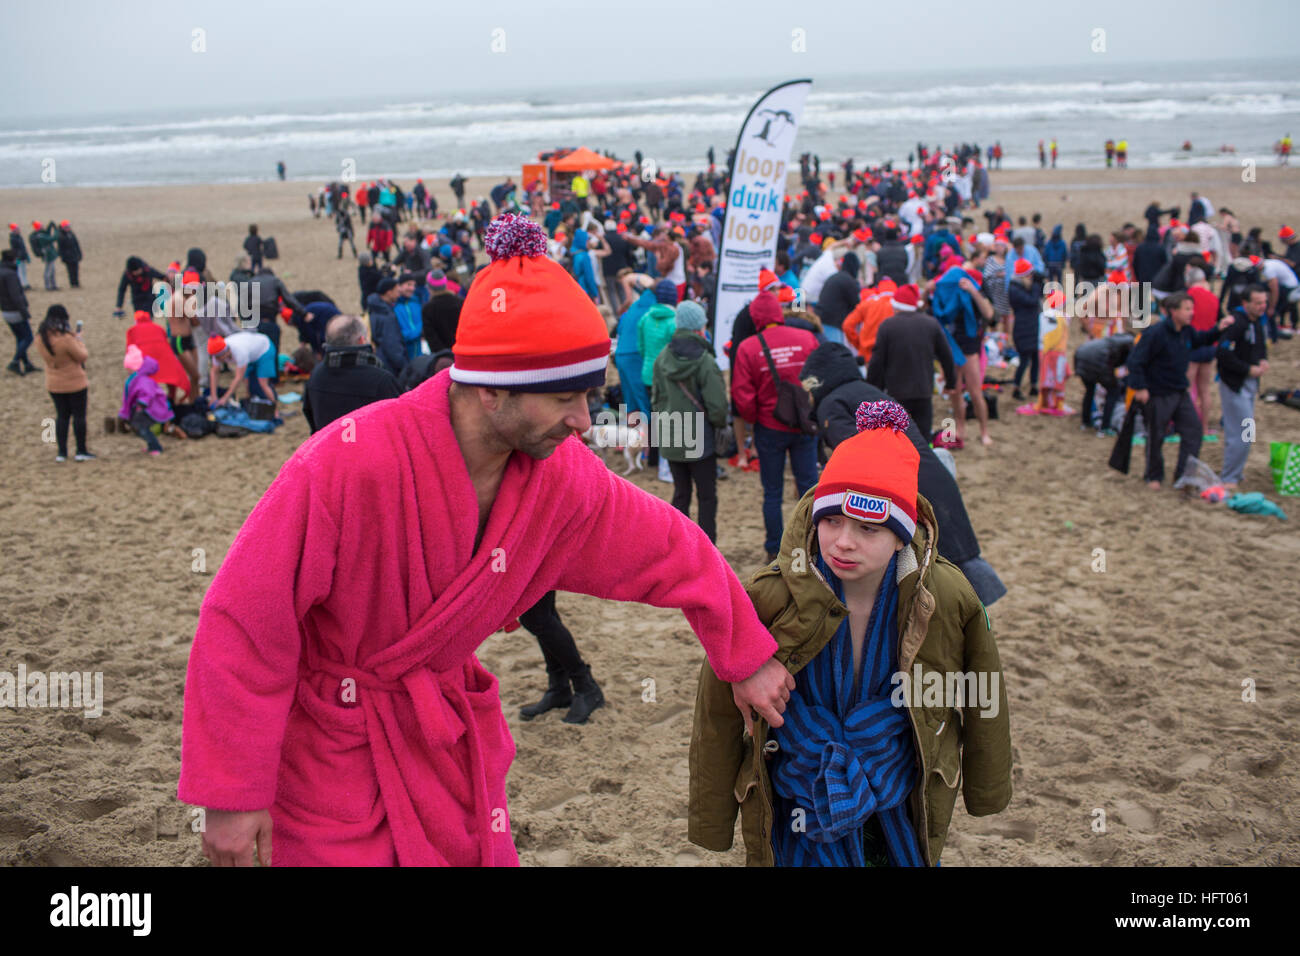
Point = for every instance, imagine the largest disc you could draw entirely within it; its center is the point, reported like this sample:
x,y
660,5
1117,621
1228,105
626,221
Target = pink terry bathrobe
x,y
333,677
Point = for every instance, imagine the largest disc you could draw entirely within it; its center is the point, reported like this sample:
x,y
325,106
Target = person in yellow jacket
x,y
581,189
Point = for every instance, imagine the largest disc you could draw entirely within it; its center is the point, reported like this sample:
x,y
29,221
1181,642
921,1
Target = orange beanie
x,y
872,475
526,325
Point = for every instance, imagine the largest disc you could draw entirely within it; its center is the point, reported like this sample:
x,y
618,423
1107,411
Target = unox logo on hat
x,y
865,507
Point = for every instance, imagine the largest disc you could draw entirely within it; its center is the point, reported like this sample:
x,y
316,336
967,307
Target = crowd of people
x,y
883,297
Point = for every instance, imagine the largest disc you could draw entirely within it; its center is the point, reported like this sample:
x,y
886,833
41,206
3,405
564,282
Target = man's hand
x,y
1142,395
1226,323
230,836
765,691
966,285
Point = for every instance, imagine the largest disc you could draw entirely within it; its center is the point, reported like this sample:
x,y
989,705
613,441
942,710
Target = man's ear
x,y
490,398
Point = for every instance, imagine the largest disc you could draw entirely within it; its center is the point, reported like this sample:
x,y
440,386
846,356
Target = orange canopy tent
x,y
581,159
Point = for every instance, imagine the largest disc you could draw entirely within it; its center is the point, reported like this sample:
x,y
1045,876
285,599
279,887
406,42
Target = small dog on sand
x,y
632,442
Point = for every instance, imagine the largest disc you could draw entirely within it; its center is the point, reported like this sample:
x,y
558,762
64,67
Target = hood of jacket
x,y
828,367
661,313
376,303
685,353
765,310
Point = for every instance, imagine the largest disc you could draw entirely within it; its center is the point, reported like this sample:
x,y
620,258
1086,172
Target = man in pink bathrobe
x,y
336,699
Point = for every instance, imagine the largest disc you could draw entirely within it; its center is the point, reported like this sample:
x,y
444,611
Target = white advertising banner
x,y
758,182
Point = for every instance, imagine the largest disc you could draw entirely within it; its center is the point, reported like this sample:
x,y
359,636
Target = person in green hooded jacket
x,y
899,700
690,404
656,327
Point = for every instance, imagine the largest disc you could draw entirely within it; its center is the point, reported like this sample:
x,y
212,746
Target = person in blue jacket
x,y
583,270
627,353
1055,254
385,331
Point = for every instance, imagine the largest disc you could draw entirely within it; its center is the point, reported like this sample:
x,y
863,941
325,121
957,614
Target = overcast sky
x,y
87,56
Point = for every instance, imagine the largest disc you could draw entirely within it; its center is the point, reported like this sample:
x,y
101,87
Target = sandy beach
x,y
1125,685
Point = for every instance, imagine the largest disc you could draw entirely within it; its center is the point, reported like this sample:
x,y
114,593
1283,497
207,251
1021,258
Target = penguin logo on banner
x,y
865,507
783,119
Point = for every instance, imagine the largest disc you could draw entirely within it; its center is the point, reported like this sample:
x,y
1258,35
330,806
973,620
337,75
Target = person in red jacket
x,y
380,238
753,391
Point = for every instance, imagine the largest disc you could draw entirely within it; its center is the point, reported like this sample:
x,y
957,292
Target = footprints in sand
x,y
1191,764
1008,829
556,800
90,809
1134,815
668,713
15,828
1256,764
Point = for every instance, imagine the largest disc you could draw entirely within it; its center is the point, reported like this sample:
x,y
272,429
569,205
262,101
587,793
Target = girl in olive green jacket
x,y
899,697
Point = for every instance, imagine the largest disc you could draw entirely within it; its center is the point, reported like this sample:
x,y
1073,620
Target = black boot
x,y
586,697
557,695
15,367
28,366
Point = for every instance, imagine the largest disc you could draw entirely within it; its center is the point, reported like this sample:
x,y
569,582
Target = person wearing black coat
x,y
839,297
253,246
70,253
831,376
1154,212
1026,306
908,343
269,292
1095,363
1242,360
368,276
139,277
441,316
1157,373
19,247
1076,245
1149,257
1092,260
385,330
891,258
17,314
424,367
1241,273
349,377
1173,276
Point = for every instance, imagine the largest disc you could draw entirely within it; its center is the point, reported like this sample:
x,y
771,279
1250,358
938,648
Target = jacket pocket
x,y
943,776
326,767
747,777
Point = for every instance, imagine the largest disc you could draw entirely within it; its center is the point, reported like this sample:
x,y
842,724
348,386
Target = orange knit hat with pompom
x,y
872,475
526,325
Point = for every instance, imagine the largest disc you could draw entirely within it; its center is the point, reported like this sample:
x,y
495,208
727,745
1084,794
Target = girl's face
x,y
855,549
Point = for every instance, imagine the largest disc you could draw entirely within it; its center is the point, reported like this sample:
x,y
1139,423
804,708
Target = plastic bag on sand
x,y
1198,476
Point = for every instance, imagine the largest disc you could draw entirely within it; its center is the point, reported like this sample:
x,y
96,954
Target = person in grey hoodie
x,y
385,330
